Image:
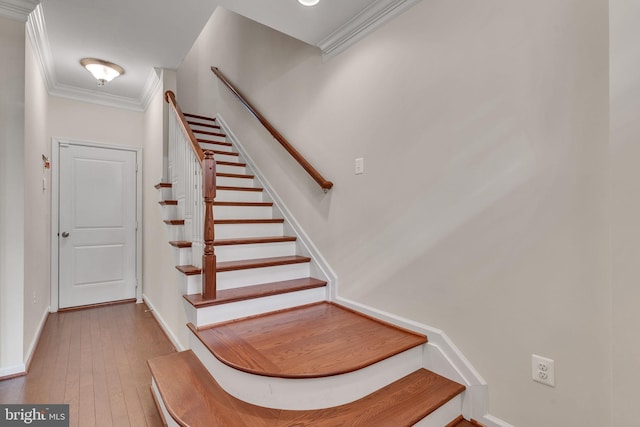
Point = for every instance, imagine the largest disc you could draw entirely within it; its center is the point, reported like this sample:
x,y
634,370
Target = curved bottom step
x,y
189,396
341,355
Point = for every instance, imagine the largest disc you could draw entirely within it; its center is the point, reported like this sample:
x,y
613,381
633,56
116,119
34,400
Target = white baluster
x,y
185,172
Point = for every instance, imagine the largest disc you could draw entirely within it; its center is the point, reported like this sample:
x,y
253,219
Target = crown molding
x,y
153,84
94,97
37,33
362,24
17,10
109,100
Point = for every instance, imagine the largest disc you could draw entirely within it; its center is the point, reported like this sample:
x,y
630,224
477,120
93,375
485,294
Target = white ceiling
x,y
143,35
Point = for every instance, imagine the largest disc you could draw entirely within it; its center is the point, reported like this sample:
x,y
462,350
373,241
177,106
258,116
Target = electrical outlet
x,y
34,297
543,370
359,165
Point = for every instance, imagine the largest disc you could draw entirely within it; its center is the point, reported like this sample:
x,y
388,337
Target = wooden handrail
x,y
324,184
208,164
170,97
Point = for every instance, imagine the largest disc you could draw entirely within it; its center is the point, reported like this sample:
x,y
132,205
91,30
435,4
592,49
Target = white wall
x,y
91,122
483,207
625,206
12,99
159,281
37,233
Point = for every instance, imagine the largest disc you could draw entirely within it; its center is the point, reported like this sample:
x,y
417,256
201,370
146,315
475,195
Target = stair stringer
x,y
319,266
442,357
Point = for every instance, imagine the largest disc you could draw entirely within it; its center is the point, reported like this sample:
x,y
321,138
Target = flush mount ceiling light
x,y
308,2
103,71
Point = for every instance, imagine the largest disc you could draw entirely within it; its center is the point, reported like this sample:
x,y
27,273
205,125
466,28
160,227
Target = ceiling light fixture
x,y
103,71
308,2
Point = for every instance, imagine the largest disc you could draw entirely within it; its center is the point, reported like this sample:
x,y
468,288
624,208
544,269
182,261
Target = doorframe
x,y
55,211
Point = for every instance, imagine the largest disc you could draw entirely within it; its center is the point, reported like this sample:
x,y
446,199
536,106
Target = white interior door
x,y
97,225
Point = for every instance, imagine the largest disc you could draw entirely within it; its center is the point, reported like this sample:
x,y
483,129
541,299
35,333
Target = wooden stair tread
x,y
174,221
234,175
253,240
231,164
233,188
206,141
312,341
180,244
461,422
226,153
196,116
256,291
189,270
243,203
162,185
168,202
400,404
246,264
249,221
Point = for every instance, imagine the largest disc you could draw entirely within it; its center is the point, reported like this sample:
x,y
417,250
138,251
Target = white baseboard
x,y
11,371
36,338
163,324
442,357
491,421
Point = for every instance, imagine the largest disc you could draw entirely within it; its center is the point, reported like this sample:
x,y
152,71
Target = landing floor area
x,y
95,360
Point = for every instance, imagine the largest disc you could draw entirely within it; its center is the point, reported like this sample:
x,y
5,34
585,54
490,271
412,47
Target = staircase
x,y
271,349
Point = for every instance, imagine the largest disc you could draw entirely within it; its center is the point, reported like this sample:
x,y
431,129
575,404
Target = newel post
x,y
209,256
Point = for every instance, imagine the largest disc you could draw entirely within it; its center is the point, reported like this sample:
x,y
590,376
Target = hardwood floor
x,y
95,360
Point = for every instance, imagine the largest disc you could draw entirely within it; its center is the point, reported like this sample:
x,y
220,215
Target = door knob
x,y
65,234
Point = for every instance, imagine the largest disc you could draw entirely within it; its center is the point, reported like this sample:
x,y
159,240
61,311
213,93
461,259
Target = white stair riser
x,y
230,231
189,284
210,137
231,169
238,196
443,415
164,194
253,251
234,182
181,256
310,393
254,276
243,212
158,398
200,125
236,310
175,232
216,147
169,212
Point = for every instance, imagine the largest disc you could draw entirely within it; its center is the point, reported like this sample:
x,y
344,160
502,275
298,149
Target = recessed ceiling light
x,y
308,2
103,71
